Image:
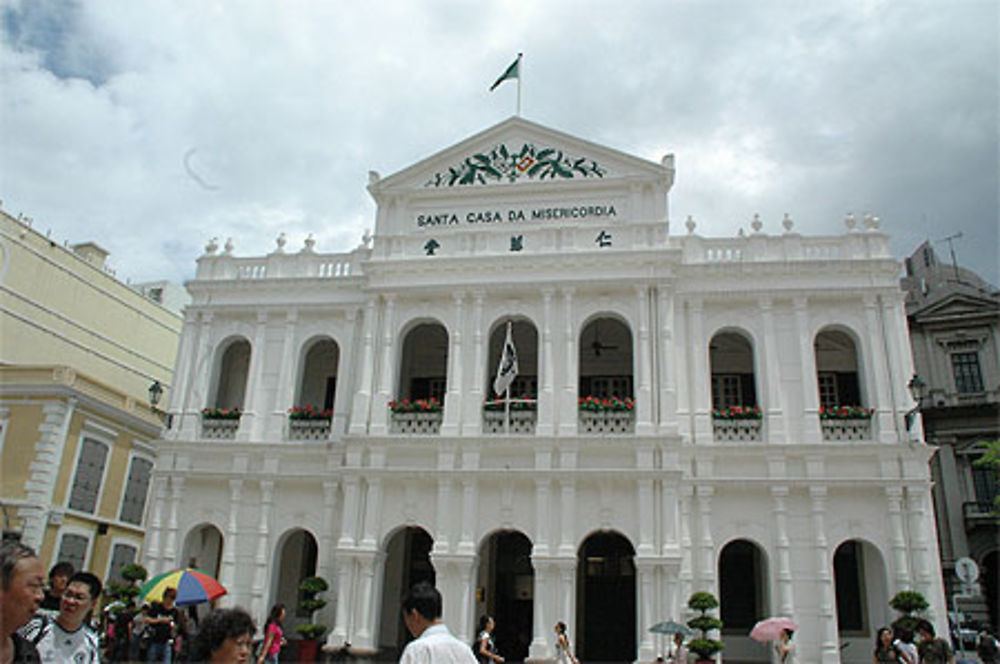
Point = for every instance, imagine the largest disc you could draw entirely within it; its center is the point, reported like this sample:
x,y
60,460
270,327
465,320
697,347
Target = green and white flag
x,y
512,72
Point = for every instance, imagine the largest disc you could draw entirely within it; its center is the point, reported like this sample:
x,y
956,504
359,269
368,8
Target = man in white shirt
x,y
433,644
67,638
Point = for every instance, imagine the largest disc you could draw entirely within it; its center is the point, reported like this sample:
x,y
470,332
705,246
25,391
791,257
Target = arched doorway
x,y
732,365
296,560
743,597
407,562
506,578
861,590
318,376
234,368
203,549
423,371
605,600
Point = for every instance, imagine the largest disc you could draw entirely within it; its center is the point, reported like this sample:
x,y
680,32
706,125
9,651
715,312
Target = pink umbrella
x,y
770,629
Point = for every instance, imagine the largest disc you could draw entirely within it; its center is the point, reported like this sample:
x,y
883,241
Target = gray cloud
x,y
815,109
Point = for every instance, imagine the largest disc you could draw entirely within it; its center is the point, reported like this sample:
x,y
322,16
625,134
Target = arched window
x,y
525,338
234,368
423,372
318,386
861,588
606,359
732,366
837,369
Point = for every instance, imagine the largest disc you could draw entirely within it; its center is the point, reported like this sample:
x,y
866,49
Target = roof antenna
x,y
951,248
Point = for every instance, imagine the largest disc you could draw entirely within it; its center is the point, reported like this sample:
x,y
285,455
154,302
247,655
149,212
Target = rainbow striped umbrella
x,y
193,587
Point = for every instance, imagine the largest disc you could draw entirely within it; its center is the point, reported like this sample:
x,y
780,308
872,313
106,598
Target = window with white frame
x,y
89,475
136,490
965,367
121,554
73,550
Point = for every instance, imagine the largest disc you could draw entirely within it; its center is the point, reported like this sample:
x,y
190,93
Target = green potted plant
x,y
704,646
908,602
310,632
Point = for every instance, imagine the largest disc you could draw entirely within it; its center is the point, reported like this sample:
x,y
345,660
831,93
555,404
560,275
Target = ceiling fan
x,y
596,345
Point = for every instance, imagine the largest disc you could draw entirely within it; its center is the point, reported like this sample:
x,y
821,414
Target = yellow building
x,y
79,352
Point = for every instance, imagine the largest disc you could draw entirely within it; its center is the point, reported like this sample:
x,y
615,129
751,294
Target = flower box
x,y
521,422
737,413
309,413
606,421
846,413
425,423
603,404
744,429
840,429
221,413
431,405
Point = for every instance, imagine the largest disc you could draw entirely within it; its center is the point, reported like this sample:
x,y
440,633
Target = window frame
x,y
80,532
121,541
977,364
100,437
132,456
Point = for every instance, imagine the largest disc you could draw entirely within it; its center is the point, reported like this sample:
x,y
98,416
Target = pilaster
x,y
827,619
811,432
667,361
452,423
257,601
785,580
230,542
901,567
777,429
40,487
568,406
644,366
546,395
360,409
380,406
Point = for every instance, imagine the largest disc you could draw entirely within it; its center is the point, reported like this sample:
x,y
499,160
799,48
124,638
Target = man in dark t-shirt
x,y
164,621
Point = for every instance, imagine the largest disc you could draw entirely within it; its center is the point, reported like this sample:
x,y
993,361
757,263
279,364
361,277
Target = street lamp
x,y
917,388
155,392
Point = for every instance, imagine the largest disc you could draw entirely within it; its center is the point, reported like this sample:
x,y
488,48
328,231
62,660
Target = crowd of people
x,y
54,623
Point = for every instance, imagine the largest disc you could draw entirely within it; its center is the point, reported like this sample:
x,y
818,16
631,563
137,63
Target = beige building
x,y
79,352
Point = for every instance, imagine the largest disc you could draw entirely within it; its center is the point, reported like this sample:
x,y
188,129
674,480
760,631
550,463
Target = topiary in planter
x,y
908,602
703,646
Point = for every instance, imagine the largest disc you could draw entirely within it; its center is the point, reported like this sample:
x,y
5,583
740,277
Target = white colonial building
x,y
606,519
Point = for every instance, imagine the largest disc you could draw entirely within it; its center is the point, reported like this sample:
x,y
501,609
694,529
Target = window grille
x,y
89,473
73,550
965,366
136,490
121,555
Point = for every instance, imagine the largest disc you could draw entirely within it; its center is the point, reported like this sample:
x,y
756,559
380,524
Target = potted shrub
x,y
704,646
908,602
310,603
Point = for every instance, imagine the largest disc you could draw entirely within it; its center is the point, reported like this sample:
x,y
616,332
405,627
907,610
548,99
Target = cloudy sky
x,y
150,127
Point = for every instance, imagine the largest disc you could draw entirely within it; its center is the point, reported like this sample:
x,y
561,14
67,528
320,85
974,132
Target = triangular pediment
x,y
518,152
957,305
519,170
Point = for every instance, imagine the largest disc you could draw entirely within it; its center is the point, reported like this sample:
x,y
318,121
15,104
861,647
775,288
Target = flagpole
x,y
506,408
520,73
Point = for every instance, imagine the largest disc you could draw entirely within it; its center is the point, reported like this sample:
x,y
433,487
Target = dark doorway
x,y
408,562
510,585
606,599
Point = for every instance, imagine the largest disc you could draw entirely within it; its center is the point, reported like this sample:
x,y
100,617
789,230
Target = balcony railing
x,y
522,422
309,429
736,429
846,429
978,511
219,428
416,423
606,421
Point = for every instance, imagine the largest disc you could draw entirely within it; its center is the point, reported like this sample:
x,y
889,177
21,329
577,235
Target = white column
x,y
811,433
331,489
699,366
706,565
543,508
170,549
567,513
345,600
645,618
473,421
920,533
470,507
541,622
546,394
380,405
155,529
900,364
452,423
287,390
257,603
349,518
884,415
363,632
363,395
373,514
829,646
254,398
785,581
40,486
568,409
668,363
442,539
567,581
644,366
669,519
645,511
777,429
686,577
346,373
900,564
197,396
181,388
227,575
